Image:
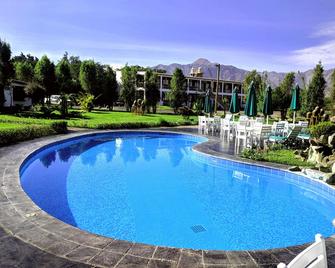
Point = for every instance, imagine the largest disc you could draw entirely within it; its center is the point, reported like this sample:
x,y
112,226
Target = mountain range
x,y
229,72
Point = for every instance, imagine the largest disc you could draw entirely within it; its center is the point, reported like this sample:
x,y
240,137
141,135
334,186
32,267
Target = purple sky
x,y
279,35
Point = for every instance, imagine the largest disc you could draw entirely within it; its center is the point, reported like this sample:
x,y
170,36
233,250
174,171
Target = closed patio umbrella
x,y
251,104
295,101
208,103
234,107
267,106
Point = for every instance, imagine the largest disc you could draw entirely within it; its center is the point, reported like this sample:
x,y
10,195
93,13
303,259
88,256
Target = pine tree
x,y
315,94
177,95
332,92
6,69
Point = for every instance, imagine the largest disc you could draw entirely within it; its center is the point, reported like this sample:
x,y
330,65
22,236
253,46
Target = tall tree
x,y
24,71
45,75
88,75
332,90
316,89
63,76
282,95
75,63
128,80
259,86
151,90
6,69
177,95
110,87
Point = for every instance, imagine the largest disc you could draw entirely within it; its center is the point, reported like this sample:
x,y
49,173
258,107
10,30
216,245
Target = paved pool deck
x,y
29,237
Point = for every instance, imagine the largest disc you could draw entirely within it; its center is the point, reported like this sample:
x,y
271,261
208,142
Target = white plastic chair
x,y
315,256
261,134
241,133
227,127
202,124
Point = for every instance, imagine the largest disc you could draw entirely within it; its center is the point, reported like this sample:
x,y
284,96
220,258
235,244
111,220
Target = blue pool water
x,y
153,188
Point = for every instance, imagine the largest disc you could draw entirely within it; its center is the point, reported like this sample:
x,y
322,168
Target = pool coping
x,y
23,219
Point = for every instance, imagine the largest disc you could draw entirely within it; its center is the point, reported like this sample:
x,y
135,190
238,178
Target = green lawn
x,y
5,126
106,119
286,157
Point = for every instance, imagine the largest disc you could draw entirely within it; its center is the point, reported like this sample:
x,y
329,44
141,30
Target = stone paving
x,y
29,237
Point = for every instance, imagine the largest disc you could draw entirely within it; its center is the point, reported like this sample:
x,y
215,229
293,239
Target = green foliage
x,y
252,153
323,128
282,95
75,64
6,69
44,74
332,91
177,95
128,85
35,91
60,127
32,60
198,106
109,87
88,75
152,91
63,75
315,91
85,101
24,71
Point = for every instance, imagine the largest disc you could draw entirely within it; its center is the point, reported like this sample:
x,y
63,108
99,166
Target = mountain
x,y
229,72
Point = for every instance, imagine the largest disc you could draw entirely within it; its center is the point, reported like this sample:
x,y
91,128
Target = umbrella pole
x,y
267,119
233,117
294,117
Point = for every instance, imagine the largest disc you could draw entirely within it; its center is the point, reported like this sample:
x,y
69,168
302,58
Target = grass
x,y
5,126
104,120
286,157
280,156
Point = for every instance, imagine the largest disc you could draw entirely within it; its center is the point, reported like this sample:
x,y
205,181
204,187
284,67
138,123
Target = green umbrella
x,y
234,107
267,106
208,104
295,101
251,104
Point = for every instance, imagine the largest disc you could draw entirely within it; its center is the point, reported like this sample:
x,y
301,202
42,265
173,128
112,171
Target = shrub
x,y
323,128
60,127
12,135
253,154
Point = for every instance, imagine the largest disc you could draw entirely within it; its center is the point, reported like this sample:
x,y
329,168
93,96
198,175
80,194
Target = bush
x,y
323,128
60,127
12,135
253,154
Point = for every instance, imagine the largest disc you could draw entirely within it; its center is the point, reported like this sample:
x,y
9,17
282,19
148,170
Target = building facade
x,y
197,86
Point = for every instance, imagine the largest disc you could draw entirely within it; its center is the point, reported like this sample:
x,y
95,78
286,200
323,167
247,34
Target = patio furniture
x,y
293,134
202,124
261,133
242,133
214,126
304,135
280,128
227,127
315,256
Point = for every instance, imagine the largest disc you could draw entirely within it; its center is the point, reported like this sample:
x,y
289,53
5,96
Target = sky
x,y
272,35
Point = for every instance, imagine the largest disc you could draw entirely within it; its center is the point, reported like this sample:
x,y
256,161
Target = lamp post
x,y
217,88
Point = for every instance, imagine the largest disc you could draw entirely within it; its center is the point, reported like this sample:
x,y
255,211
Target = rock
x,y
330,178
323,139
332,119
331,140
333,168
294,169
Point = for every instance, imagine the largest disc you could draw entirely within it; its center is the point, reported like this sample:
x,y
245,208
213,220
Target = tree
x,y
45,75
128,85
88,75
332,90
316,90
75,64
6,69
63,76
282,95
151,90
259,86
24,71
23,58
110,86
177,95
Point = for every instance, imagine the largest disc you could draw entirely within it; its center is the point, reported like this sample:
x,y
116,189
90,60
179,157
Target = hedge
x,y
323,128
28,132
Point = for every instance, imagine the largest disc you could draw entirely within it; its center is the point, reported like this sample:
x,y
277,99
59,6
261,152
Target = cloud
x,y
324,51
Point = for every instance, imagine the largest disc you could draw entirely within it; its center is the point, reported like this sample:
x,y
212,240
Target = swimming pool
x,y
151,187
